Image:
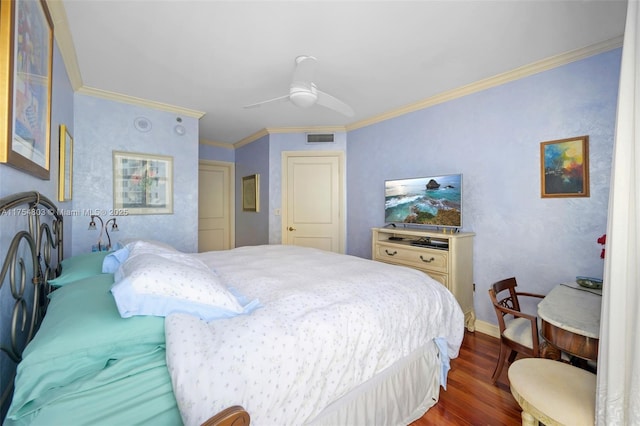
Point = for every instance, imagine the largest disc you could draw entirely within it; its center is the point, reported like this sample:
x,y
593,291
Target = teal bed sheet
x,y
87,365
144,396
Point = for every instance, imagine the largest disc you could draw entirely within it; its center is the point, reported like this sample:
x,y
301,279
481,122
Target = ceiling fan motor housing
x,y
304,97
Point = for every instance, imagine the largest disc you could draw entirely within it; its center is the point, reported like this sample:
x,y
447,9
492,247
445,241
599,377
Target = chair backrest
x,y
506,300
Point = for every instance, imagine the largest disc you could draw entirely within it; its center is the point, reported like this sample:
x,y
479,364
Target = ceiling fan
x,y
303,91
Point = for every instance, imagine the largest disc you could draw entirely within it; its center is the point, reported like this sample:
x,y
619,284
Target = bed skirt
x,y
399,395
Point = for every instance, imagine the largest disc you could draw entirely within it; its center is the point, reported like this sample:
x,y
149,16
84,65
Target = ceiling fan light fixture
x,y
303,97
303,92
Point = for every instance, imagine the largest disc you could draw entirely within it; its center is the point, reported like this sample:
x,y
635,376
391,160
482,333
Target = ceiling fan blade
x,y
304,71
331,102
278,99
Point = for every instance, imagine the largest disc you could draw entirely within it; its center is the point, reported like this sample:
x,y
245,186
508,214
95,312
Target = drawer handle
x,y
390,254
427,260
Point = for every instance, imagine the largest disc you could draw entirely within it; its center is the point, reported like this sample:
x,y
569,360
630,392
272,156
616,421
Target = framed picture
x,y
65,177
251,193
564,165
26,58
142,183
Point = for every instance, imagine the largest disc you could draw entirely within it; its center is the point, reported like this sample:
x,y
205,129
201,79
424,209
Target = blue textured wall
x,y
103,126
212,152
252,228
493,138
264,156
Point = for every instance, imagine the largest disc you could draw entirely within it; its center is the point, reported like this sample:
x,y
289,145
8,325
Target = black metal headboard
x,y
31,231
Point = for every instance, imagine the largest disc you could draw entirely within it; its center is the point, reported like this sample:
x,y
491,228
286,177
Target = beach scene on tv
x,y
434,201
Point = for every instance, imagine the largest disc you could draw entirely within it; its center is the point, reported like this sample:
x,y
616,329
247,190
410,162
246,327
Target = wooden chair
x,y
232,416
518,330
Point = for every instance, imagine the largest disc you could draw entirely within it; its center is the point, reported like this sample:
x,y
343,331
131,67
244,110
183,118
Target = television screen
x,y
433,201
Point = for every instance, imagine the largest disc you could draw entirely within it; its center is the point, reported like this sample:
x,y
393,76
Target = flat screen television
x,y
432,201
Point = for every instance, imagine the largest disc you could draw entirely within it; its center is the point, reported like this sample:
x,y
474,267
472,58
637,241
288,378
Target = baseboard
x,y
488,328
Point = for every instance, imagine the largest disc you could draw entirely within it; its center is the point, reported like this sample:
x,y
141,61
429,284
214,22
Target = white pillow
x,y
113,260
128,241
163,283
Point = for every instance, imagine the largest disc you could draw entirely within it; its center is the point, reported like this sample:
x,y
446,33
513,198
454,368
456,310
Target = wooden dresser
x,y
447,258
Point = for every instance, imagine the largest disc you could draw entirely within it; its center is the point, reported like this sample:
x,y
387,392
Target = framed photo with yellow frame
x,y
65,177
26,61
251,193
564,165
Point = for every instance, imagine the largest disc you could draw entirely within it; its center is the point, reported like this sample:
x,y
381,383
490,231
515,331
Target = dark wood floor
x,y
470,398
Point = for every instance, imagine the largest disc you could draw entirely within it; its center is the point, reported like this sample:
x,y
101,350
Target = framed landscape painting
x,y
564,167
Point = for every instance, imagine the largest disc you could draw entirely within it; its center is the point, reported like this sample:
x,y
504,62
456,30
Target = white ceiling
x,y
378,56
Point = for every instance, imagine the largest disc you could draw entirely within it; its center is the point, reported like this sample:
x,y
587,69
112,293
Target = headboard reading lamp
x,y
103,227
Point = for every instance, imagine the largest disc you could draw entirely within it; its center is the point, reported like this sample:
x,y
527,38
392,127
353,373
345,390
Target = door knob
x,y
291,228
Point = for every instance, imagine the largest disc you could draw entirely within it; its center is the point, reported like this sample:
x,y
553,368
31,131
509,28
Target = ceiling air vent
x,y
320,137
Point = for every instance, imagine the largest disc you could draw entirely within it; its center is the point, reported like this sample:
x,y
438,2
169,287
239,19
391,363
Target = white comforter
x,y
328,323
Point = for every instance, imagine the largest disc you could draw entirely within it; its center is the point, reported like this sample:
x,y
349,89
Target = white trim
x,y
497,80
105,94
64,41
488,328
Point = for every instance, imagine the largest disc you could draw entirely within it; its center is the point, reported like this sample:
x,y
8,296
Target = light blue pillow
x,y
82,336
79,267
113,260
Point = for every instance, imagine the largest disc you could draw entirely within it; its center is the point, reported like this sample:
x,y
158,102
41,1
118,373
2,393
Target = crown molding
x,y
302,129
251,138
280,130
105,94
64,41
478,86
63,38
497,80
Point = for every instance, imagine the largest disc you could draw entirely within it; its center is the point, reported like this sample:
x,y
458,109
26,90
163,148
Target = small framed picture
x,y
251,193
564,167
65,178
142,183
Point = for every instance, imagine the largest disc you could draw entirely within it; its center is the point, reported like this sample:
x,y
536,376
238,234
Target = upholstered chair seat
x,y
519,330
553,392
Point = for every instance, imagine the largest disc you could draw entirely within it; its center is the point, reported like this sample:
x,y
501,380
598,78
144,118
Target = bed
x,y
293,335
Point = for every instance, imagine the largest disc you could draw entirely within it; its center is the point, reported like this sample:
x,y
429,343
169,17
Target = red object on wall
x,y
602,240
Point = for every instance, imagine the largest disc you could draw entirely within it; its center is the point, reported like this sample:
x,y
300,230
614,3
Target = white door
x,y
313,200
215,206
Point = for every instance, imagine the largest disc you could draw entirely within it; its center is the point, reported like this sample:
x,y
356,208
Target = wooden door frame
x,y
341,196
232,195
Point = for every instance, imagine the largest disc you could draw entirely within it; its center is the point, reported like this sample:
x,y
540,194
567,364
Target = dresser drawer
x,y
425,259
